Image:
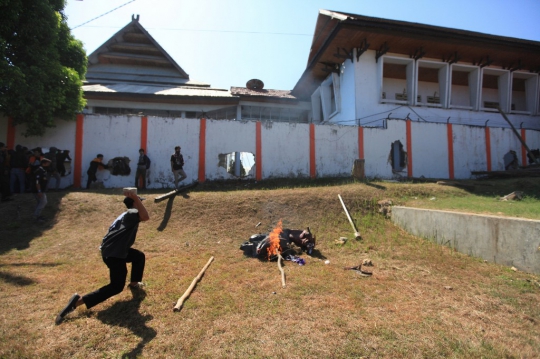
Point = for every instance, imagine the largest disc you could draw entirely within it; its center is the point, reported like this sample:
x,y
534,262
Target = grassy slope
x,y
405,309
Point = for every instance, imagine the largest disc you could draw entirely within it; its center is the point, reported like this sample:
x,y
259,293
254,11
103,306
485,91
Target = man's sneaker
x,y
138,285
137,290
70,307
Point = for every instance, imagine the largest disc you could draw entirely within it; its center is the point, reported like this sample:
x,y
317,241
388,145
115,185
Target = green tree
x,y
41,65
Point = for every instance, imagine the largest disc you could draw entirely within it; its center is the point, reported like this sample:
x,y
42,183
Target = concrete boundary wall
x,y
503,240
281,150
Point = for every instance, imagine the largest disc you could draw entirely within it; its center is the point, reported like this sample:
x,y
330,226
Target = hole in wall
x,y
511,161
245,160
397,157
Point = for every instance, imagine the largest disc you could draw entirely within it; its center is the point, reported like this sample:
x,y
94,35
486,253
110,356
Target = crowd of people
x,y
24,170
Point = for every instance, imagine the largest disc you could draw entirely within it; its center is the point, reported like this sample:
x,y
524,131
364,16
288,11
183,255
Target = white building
x,y
362,70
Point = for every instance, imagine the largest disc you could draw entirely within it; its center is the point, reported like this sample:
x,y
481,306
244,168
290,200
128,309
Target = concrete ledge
x,y
503,240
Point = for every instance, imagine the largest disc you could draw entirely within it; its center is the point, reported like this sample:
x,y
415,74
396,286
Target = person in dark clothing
x,y
97,163
142,166
52,170
4,174
116,251
177,166
39,187
61,158
18,164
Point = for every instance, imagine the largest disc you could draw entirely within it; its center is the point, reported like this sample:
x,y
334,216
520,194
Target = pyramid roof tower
x,y
133,56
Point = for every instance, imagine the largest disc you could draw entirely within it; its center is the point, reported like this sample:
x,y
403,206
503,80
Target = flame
x,y
274,247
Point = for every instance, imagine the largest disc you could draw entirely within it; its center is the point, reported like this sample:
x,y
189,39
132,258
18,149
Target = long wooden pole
x,y
535,160
180,302
356,233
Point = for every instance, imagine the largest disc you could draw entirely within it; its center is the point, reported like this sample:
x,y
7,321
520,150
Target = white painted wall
x,y
112,136
347,89
285,150
335,150
469,150
501,143
225,137
377,145
429,150
285,147
164,134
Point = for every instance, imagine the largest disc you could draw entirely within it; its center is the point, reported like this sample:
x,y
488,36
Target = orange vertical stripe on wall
x,y
523,149
10,140
258,151
409,150
360,142
450,150
144,139
77,167
144,132
202,151
488,149
312,164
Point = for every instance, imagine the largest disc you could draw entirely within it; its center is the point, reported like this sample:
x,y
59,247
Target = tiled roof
x,y
156,90
244,91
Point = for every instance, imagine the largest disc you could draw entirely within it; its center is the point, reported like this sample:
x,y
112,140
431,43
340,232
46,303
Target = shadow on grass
x,y
15,279
19,279
17,226
126,314
378,186
166,215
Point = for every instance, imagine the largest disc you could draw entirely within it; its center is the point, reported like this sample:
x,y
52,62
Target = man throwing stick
x,y
116,251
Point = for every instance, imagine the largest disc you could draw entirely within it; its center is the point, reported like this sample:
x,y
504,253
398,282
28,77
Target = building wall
x,y
286,150
164,134
469,150
369,111
429,151
336,148
377,145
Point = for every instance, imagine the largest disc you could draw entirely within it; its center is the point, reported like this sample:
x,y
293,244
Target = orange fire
x,y
274,247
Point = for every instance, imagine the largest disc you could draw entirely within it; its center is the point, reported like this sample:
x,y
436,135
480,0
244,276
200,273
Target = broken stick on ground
x,y
180,302
356,233
279,260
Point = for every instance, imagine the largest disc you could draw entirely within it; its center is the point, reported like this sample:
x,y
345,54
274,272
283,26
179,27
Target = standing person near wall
x,y
177,166
61,158
95,164
18,164
4,174
116,251
52,169
142,166
39,187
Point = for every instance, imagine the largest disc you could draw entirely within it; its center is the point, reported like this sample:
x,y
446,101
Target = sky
x,y
225,43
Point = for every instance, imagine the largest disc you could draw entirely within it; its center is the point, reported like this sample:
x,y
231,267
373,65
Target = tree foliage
x,y
41,65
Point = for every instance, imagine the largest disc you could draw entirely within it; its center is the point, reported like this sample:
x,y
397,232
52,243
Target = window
x,y
464,87
523,96
396,80
432,83
330,96
495,89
